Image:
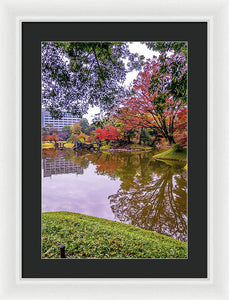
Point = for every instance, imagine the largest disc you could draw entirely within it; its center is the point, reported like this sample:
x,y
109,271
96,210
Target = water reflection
x,y
60,166
127,187
155,202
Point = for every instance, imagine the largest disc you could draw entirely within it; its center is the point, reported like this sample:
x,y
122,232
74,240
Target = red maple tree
x,y
51,138
180,128
108,133
159,94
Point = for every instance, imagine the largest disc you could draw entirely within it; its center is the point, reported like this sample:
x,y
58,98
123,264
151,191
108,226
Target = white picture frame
x,y
216,13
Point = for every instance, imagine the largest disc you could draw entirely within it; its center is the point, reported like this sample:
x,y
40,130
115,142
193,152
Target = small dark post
x,y
62,251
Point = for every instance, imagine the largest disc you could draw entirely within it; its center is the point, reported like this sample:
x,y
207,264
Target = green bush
x,y
69,145
177,147
105,147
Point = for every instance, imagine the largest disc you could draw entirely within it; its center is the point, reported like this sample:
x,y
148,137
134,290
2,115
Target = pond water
x,y
129,187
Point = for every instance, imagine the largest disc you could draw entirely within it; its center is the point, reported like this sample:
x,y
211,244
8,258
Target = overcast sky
x,y
135,47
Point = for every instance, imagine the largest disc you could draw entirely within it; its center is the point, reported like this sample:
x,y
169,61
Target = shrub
x,y
69,145
177,147
105,147
48,145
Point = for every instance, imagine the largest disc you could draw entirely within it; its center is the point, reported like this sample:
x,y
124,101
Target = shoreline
x,y
172,155
127,150
111,150
172,159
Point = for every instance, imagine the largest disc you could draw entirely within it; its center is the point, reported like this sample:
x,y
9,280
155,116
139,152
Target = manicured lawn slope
x,y
91,237
171,154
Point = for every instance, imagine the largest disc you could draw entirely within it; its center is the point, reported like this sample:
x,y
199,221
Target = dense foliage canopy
x,y
78,74
159,96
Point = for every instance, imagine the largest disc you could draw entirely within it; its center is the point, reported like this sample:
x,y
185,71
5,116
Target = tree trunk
x,y
171,140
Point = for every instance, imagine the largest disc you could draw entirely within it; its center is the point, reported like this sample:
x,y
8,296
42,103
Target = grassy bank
x,y
91,237
173,155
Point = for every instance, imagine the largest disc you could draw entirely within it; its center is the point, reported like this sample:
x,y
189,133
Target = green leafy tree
x,y
163,47
145,136
78,74
66,131
76,128
89,129
84,124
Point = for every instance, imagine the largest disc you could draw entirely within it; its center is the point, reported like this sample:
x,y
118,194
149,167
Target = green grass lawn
x,y
91,237
171,154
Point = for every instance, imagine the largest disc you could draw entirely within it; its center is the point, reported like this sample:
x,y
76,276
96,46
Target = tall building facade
x,y
48,121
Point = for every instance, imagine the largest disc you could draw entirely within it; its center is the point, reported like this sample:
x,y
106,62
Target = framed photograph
x,y
28,270
117,190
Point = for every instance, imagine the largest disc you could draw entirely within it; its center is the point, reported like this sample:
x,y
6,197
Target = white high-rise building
x,y
48,121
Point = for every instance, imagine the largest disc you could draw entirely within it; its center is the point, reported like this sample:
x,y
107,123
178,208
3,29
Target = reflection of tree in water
x,y
49,153
122,165
152,194
81,160
155,200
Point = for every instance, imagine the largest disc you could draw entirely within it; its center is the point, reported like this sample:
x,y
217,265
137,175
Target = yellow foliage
x,y
76,128
82,137
69,145
48,145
